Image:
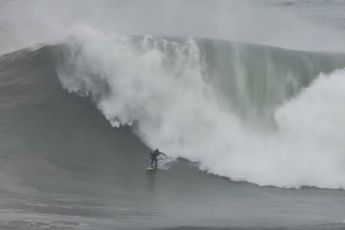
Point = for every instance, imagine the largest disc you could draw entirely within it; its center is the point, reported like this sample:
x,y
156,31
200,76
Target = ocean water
x,y
245,98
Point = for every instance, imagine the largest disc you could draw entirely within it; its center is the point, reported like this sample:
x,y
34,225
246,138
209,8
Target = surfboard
x,y
150,168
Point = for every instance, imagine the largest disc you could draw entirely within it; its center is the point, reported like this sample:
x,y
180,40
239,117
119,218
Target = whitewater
x,y
166,92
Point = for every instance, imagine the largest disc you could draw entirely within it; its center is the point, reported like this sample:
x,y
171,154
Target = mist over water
x,y
26,23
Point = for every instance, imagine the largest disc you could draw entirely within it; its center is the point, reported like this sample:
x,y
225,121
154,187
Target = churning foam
x,y
161,88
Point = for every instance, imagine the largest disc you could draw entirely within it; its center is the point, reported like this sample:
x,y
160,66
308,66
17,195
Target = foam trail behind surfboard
x,y
166,163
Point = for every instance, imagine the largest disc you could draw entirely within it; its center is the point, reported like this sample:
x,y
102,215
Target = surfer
x,y
154,157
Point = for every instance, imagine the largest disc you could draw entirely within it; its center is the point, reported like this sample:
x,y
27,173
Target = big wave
x,y
249,113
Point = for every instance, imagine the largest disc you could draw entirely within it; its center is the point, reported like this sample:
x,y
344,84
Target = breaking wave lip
x,y
168,92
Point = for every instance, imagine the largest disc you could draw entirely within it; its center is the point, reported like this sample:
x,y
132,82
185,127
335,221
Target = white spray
x,y
160,88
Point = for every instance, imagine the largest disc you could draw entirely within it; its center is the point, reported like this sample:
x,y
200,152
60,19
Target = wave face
x,y
64,167
250,113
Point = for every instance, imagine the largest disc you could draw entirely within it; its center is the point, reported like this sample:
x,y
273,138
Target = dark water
x,y
62,166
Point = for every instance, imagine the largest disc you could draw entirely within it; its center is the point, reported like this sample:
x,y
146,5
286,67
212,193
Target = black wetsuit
x,y
154,157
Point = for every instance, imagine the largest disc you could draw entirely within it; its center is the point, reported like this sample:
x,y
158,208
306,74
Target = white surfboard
x,y
151,168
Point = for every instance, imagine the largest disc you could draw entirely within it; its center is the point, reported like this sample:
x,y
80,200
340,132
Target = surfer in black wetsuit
x,y
154,157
